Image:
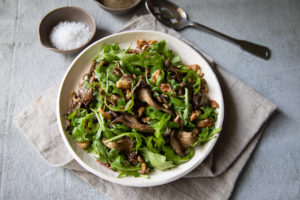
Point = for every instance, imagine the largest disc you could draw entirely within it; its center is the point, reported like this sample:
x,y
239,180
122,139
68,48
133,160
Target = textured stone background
x,y
26,70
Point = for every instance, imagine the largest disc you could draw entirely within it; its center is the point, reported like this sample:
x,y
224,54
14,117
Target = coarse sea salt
x,y
69,35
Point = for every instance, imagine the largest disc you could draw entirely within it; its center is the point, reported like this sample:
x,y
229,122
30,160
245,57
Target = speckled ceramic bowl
x,y
65,14
119,11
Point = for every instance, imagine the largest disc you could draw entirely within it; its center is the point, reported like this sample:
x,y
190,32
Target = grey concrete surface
x,y
26,70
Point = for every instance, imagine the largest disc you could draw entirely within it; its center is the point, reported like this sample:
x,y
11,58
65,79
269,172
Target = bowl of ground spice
x,y
119,7
67,30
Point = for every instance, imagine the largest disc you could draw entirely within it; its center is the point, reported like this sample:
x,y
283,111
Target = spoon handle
x,y
258,50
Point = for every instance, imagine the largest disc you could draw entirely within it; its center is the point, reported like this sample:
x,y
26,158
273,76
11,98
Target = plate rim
x,y
120,180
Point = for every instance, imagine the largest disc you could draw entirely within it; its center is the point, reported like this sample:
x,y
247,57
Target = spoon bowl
x,y
168,13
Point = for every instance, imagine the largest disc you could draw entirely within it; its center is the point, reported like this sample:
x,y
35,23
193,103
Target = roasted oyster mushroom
x,y
187,139
132,122
144,95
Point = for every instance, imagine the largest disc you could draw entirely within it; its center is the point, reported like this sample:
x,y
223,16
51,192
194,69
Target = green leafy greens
x,y
99,117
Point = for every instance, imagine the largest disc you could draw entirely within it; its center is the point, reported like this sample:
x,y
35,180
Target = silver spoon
x,y
173,16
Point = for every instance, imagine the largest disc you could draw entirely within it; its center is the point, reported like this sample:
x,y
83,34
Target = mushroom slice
x,y
175,144
132,122
136,124
124,82
124,144
86,95
198,100
144,95
187,139
139,83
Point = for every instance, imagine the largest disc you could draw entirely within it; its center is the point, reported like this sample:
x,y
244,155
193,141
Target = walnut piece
x,y
213,104
156,75
83,145
142,44
204,123
196,68
166,87
194,115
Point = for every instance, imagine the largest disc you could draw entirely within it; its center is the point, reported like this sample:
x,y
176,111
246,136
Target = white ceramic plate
x,y
80,65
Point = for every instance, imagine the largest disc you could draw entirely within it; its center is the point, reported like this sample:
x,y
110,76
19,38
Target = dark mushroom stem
x,y
144,95
132,122
176,146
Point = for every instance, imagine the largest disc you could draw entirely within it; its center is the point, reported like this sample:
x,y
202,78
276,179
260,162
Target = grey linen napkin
x,y
213,179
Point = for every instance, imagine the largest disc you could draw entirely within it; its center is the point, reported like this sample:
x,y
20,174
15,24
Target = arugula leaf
x,y
206,134
208,112
100,149
119,128
157,160
107,133
111,75
78,125
117,165
159,123
162,48
187,108
183,108
176,159
196,79
149,142
109,53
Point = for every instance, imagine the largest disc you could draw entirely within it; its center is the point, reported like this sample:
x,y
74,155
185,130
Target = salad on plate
x,y
140,109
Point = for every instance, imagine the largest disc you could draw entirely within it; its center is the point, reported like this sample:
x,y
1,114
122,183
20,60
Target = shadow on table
x,y
100,33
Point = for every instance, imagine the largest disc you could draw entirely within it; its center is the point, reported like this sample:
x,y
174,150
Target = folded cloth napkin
x,y
246,113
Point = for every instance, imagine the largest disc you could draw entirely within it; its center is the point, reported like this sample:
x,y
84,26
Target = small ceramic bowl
x,y
65,14
119,11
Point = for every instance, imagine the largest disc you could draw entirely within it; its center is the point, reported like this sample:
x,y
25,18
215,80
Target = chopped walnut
x,y
128,94
213,104
130,51
166,87
194,115
151,42
83,145
204,123
196,68
140,111
155,75
124,82
141,44
144,169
